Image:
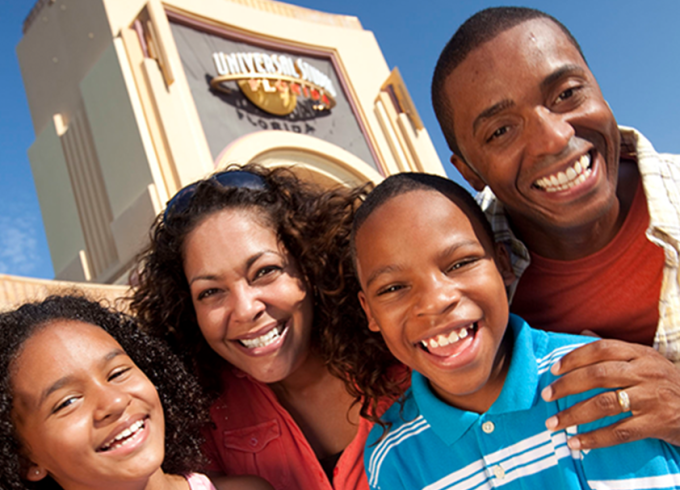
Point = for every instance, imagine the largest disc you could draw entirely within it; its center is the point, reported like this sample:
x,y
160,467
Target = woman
x,y
249,278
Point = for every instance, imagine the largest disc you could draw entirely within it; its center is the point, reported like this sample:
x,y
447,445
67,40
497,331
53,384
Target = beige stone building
x,y
133,99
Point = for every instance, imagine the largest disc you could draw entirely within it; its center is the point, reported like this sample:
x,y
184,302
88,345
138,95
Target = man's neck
x,y
583,241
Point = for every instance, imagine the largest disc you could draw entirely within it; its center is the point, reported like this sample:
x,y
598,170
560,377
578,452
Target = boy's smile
x,y
435,289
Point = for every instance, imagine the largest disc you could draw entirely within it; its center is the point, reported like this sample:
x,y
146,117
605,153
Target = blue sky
x,y
632,46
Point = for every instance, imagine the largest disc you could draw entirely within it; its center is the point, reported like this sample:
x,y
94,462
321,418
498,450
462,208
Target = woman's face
x,y
84,412
251,300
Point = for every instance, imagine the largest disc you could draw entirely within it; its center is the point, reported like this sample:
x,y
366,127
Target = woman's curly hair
x,y
314,225
184,405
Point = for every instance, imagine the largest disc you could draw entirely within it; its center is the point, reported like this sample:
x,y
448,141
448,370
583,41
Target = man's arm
x,y
651,382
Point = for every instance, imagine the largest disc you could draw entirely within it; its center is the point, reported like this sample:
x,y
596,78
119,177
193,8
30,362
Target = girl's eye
x,y
119,373
64,404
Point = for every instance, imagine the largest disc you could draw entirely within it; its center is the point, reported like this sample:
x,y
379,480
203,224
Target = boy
x,y
434,285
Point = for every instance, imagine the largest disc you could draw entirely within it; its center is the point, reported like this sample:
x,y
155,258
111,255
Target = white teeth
x,y
123,437
565,180
263,340
444,340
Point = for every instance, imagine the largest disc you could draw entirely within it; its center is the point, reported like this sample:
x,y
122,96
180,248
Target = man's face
x,y
531,123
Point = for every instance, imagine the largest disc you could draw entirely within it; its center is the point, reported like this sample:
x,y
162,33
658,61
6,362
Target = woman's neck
x,y
320,405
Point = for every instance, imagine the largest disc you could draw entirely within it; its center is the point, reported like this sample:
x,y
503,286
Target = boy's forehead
x,y
409,217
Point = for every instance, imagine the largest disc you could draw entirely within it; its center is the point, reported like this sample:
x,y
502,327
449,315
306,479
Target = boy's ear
x,y
468,173
504,264
372,325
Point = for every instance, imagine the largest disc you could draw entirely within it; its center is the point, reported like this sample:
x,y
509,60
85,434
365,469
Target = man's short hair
x,y
478,29
398,184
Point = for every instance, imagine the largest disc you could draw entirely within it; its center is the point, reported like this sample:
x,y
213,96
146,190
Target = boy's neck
x,y
481,400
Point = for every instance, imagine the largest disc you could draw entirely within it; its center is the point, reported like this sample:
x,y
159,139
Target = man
x,y
590,212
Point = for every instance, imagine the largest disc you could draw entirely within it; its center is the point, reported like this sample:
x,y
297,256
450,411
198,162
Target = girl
x,y
89,401
249,277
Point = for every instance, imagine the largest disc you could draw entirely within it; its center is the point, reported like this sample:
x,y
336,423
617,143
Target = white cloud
x,y
18,244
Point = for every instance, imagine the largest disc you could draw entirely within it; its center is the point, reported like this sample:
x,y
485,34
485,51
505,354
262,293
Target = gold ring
x,y
624,400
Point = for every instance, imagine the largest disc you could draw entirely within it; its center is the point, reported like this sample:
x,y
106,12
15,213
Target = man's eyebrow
x,y
490,112
64,381
570,69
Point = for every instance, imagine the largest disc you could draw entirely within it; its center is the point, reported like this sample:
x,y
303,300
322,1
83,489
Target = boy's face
x,y
434,287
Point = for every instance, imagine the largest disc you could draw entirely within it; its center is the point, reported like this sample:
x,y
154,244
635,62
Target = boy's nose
x,y
436,295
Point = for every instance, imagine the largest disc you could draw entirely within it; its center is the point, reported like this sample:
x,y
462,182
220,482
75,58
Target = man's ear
x,y
372,324
504,264
468,173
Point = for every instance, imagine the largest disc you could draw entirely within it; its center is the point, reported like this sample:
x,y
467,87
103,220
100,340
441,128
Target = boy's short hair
x,y
398,184
478,29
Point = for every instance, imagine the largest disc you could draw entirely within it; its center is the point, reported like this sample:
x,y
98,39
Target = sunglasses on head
x,y
239,179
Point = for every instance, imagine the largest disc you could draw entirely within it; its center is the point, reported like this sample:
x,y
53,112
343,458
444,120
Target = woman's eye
x,y
267,270
206,293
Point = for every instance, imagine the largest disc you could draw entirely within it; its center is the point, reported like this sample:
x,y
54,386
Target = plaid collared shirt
x,y
660,180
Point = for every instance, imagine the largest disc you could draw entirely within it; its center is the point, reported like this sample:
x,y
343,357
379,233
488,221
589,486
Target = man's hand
x,y
651,381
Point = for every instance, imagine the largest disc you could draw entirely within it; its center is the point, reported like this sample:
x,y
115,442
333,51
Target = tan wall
x,y
119,132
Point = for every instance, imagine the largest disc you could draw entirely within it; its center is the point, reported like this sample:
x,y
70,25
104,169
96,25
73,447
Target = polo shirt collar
x,y
520,391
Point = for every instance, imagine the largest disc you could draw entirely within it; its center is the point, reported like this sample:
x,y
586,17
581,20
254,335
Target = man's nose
x,y
549,132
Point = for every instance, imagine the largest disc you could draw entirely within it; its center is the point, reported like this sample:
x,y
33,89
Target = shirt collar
x,y
520,391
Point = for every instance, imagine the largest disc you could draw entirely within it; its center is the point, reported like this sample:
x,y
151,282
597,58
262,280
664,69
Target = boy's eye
x,y
390,289
460,264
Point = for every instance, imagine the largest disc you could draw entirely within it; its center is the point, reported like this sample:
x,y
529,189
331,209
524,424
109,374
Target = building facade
x,y
133,99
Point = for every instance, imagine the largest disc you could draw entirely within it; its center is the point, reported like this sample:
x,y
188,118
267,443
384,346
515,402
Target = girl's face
x,y
250,298
84,412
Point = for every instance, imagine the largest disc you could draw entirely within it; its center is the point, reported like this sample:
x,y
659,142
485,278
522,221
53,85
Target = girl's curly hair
x,y
184,405
314,225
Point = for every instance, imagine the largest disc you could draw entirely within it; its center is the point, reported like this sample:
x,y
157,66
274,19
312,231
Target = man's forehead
x,y
531,36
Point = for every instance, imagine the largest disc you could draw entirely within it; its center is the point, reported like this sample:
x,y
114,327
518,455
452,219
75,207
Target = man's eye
x,y
498,133
567,94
